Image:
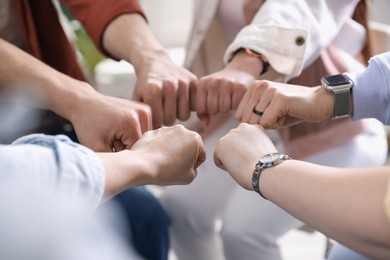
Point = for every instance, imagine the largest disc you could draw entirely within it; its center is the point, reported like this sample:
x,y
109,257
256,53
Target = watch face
x,y
269,158
336,80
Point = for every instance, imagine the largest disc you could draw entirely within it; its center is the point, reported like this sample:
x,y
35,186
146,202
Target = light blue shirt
x,y
371,90
55,162
49,190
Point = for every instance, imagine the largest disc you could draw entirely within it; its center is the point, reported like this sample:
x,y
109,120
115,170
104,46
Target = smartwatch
x,y
340,85
267,161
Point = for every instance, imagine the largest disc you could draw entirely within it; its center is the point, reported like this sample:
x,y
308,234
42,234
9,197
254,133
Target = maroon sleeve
x,y
96,15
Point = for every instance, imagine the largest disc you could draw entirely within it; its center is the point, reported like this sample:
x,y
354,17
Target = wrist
x,y
340,85
122,170
246,62
132,169
324,102
271,179
270,160
71,101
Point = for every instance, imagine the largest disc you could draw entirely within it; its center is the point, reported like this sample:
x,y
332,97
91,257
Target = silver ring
x,y
257,112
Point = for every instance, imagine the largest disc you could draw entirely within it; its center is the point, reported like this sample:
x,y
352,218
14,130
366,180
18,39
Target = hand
x,y
239,151
165,87
161,84
105,123
284,104
222,91
172,154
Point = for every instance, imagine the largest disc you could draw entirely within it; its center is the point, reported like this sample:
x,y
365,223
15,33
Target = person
x,y
308,45
111,172
23,75
285,104
35,28
34,33
358,218
72,173
348,208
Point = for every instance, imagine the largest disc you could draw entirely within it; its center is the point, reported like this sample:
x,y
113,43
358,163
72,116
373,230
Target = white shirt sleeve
x,y
291,34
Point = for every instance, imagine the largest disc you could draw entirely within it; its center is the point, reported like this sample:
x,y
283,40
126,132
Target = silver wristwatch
x,y
340,85
268,160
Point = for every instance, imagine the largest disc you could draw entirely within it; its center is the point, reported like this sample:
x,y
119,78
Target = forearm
x,y
129,37
43,87
123,170
346,205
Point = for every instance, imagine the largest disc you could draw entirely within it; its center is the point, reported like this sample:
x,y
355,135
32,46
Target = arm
x,y
289,34
161,84
96,15
60,164
292,33
101,123
284,104
345,204
157,158
122,32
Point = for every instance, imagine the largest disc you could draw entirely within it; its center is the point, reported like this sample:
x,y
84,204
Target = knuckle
x,y
154,90
183,83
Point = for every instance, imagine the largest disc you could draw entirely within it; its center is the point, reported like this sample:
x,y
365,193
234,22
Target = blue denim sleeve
x,y
56,162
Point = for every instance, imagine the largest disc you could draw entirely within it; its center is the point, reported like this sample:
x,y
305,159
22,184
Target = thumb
x,y
218,162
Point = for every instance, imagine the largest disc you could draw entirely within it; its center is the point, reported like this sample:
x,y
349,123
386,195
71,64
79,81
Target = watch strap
x,y
256,178
341,103
259,167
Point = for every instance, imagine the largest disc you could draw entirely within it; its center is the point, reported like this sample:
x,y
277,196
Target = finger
x,y
131,132
258,111
154,100
225,101
132,136
213,97
253,95
274,116
237,96
183,101
241,113
201,152
193,93
218,162
118,146
145,118
248,106
170,102
201,98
